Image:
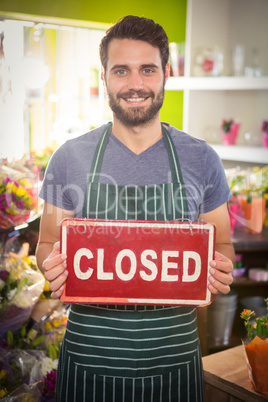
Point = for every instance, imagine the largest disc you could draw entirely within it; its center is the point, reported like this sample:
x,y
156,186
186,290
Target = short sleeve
x,y
55,189
216,188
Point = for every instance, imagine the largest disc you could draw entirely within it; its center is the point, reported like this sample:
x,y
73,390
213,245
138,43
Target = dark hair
x,y
137,28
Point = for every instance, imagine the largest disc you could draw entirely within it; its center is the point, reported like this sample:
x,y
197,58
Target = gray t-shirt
x,y
203,174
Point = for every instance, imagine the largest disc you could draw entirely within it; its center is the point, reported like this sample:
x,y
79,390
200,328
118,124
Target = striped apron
x,y
132,353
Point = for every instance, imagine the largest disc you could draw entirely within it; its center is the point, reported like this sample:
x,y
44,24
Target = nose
x,y
135,81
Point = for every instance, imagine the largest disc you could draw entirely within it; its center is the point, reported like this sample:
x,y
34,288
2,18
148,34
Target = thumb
x,y
56,250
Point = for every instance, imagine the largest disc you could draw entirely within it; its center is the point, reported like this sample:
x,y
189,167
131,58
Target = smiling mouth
x,y
135,99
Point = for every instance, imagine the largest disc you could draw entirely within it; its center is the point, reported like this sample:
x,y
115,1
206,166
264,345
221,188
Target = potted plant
x,y
253,200
264,129
230,130
256,349
250,192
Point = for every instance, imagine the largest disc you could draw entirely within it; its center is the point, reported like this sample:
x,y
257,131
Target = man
x,y
124,170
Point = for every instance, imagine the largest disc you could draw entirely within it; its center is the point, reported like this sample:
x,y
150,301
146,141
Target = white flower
x,y
11,294
23,299
48,365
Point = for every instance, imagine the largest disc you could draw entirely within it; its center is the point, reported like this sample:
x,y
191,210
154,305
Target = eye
x,y
148,71
120,72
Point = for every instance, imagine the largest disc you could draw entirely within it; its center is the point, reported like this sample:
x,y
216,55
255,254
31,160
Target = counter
x,y
226,378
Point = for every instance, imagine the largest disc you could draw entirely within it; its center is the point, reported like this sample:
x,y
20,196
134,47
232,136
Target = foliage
x,y
226,125
249,183
259,327
264,126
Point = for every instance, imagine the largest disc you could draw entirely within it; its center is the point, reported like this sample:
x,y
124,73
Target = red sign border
x,y
166,224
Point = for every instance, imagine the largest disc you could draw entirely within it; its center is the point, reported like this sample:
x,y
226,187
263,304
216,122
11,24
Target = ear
x,y
102,74
167,72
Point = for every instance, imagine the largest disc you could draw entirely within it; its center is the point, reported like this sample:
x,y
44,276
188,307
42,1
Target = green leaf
x,y
23,331
38,340
21,284
52,352
10,339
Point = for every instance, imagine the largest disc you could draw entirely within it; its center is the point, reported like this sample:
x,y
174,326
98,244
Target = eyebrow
x,y
125,66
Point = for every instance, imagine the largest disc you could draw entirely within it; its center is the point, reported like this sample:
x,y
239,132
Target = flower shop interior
x,y
50,92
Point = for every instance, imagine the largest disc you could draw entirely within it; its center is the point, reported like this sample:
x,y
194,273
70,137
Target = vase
x,y
254,214
256,353
230,137
233,210
265,139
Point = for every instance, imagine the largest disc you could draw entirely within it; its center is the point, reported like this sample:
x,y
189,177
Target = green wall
x,y
171,14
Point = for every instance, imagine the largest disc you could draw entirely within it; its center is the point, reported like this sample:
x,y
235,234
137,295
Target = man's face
x,y
134,81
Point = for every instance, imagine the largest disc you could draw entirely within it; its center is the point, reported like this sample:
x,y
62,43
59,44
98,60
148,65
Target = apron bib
x,y
152,202
132,353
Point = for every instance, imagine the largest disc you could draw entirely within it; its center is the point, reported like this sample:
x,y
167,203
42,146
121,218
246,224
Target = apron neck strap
x,y
172,156
99,153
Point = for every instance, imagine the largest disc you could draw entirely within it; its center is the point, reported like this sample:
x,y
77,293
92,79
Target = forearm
x,y
226,249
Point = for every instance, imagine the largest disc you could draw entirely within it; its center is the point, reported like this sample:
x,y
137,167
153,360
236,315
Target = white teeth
x,y
135,99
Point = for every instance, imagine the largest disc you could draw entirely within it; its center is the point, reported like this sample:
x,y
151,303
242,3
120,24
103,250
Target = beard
x,y
139,115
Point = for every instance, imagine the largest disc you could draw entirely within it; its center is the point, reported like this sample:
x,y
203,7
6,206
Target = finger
x,y
216,286
52,261
56,271
56,249
57,283
57,294
224,266
213,290
224,277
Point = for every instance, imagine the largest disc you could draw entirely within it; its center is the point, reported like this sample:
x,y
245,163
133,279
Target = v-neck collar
x,y
131,153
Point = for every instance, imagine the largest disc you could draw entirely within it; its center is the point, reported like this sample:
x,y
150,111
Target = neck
x,y
138,138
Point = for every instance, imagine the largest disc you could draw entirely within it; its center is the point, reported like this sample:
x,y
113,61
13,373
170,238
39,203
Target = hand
x,y
55,272
221,274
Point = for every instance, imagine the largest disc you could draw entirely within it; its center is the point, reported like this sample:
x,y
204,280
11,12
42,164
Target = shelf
x,y
242,282
244,241
242,154
216,83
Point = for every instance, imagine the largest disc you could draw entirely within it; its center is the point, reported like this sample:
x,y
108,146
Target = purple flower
x,y
20,204
8,198
3,275
50,384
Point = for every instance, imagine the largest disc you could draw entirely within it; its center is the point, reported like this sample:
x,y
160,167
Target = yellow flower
x,y
2,374
46,289
56,323
20,192
3,392
48,325
24,182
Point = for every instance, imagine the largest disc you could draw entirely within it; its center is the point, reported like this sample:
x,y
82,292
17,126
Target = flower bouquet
x,y
20,375
256,349
20,288
230,130
28,365
18,197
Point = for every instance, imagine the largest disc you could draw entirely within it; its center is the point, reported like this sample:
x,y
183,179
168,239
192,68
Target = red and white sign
x,y
137,262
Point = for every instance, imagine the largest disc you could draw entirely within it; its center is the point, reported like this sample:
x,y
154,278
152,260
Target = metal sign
x,y
137,262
